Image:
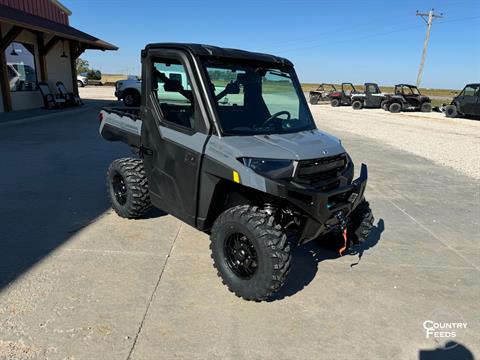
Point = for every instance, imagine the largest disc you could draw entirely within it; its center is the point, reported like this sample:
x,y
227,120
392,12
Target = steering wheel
x,y
276,115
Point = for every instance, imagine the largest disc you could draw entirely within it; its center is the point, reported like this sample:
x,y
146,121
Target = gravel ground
x,y
448,142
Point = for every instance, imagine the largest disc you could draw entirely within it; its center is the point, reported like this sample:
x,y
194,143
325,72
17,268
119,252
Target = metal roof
x,y
19,18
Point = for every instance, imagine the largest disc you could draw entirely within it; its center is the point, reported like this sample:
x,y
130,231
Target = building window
x,y
22,75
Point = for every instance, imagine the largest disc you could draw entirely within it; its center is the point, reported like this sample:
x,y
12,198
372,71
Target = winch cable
x,y
342,223
344,247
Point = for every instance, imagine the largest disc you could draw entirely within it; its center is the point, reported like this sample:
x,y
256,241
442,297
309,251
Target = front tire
x,y
335,102
426,107
314,99
360,224
250,252
451,111
80,83
131,98
357,105
128,188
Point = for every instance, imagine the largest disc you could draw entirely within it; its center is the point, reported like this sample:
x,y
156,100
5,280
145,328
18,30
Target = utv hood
x,y
303,145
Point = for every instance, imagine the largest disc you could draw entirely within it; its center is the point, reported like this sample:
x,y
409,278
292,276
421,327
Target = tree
x,y
82,66
94,74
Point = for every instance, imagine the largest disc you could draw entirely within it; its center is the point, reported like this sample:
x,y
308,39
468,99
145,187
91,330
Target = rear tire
x,y
451,111
360,224
357,105
80,83
335,102
128,188
314,100
384,105
426,107
395,107
250,252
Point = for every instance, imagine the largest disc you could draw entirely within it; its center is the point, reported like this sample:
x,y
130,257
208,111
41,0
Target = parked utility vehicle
x,y
321,93
129,91
343,97
407,97
255,173
371,97
467,103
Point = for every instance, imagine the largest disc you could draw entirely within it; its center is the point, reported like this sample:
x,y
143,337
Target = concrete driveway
x,y
78,282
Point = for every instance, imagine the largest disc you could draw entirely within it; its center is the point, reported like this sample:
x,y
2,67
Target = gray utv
x,y
254,172
371,98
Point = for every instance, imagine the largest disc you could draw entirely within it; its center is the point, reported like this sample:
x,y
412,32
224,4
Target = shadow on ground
x,y
305,259
52,185
451,351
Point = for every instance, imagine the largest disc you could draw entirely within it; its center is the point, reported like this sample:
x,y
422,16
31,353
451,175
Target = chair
x,y
50,100
69,97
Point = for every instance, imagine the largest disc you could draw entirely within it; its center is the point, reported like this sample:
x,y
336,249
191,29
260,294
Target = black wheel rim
x,y
241,255
119,189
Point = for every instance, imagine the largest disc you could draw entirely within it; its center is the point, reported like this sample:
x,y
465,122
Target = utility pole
x,y
428,18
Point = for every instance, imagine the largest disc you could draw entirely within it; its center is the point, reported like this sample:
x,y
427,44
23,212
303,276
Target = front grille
x,y
322,173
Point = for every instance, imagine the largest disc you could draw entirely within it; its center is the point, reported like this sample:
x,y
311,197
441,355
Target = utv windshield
x,y
253,100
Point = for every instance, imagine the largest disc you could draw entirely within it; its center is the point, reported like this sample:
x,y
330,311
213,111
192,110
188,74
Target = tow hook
x,y
342,223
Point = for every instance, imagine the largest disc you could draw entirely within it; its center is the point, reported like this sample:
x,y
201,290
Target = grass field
x,y
110,79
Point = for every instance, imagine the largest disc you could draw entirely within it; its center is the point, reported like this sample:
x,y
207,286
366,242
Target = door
x,y
467,100
174,132
373,95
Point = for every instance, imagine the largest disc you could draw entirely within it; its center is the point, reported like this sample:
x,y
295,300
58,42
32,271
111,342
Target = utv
x,y
407,97
372,97
467,103
321,93
343,97
254,172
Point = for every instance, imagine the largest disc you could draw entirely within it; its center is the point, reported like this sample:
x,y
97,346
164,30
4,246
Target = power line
x,y
383,33
428,18
334,41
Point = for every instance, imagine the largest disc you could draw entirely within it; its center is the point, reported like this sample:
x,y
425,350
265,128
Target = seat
x,y
70,97
50,100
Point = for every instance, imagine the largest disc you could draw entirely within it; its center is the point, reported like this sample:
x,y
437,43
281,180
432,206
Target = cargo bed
x,y
121,124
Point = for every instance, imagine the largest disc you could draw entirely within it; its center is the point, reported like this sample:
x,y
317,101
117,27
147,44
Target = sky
x,y
328,41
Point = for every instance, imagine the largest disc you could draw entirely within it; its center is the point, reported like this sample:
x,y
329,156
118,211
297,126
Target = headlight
x,y
271,168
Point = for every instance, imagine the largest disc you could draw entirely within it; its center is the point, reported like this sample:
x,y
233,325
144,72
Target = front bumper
x,y
118,94
321,208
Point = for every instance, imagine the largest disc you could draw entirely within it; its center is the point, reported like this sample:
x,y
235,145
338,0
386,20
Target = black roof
x,y
215,51
406,85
